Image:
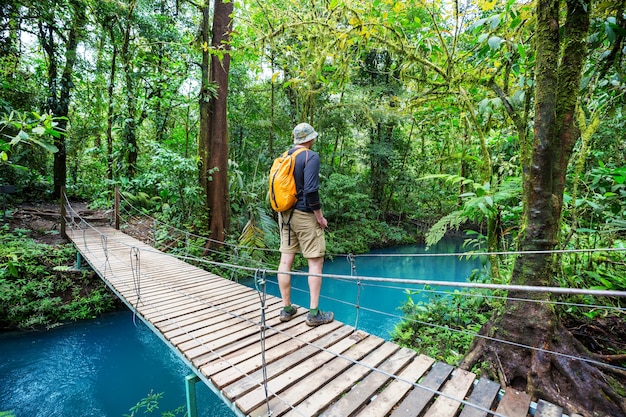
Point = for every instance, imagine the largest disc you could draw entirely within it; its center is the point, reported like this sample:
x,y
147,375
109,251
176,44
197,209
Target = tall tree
x,y
213,120
52,36
126,54
560,51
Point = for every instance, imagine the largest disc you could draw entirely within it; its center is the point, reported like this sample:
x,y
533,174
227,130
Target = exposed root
x,y
578,386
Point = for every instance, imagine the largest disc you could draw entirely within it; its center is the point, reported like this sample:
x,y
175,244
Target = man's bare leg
x,y
284,277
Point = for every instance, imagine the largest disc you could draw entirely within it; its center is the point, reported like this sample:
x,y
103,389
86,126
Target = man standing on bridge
x,y
304,229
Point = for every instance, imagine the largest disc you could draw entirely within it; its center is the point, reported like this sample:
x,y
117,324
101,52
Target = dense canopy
x,y
502,118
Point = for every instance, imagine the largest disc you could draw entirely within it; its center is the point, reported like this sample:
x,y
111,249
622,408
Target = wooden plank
x,y
386,400
226,323
210,347
249,347
418,398
514,403
546,409
332,390
285,361
299,372
199,316
193,305
300,391
483,395
223,372
210,318
455,389
363,392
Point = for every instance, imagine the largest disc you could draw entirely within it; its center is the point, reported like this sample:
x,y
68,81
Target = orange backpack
x,y
282,185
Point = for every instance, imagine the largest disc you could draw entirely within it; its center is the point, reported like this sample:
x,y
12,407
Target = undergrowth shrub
x,y
444,325
39,287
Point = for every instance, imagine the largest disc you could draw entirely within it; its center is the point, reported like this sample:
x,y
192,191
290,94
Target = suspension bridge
x,y
231,337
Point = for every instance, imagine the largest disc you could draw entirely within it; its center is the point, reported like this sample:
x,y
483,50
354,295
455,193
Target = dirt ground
x,y
603,335
43,220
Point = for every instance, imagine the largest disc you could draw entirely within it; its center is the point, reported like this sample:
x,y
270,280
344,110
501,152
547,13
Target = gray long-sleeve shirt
x,y
306,174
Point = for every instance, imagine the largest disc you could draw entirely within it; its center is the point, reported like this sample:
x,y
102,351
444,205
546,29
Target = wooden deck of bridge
x,y
213,324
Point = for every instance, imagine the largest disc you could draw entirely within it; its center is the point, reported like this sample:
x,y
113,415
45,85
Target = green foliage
x,y
21,136
37,289
594,270
362,235
605,200
345,200
479,204
150,405
443,327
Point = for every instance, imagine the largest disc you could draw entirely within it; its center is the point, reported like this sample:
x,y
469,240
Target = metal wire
x,y
359,281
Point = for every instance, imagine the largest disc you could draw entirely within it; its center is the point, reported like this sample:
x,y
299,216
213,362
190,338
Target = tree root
x,y
578,386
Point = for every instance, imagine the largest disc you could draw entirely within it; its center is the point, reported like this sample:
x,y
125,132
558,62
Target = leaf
x,y
47,146
494,21
495,42
39,130
521,51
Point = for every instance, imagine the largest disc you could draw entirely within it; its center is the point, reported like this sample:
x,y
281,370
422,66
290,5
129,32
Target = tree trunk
x,y
217,146
59,101
205,98
576,385
129,133
110,103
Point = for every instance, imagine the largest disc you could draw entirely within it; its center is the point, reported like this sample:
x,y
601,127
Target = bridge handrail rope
x,y
359,279
472,285
260,285
321,348
351,257
135,268
187,245
392,255
353,273
188,233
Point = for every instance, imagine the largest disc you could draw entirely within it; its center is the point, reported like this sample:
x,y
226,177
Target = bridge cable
x,y
104,241
136,271
259,283
605,293
374,369
353,274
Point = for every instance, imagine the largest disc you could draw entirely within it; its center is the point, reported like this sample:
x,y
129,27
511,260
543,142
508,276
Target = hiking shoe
x,y
286,316
320,318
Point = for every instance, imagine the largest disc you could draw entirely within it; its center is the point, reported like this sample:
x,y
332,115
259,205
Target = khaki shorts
x,y
303,234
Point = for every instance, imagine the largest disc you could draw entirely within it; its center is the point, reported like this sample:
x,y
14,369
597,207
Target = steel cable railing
x,y
392,283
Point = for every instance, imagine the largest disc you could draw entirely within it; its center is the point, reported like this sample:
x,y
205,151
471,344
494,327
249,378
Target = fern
x,y
439,229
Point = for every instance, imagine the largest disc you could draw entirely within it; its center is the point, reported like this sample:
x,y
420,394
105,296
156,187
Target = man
x,y
302,229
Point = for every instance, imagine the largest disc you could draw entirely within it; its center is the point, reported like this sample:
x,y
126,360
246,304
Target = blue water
x,y
379,303
104,367
94,368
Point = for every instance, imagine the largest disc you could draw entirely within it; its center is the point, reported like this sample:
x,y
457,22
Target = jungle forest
x,y
500,120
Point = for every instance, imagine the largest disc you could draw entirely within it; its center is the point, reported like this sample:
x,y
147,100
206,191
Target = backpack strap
x,y
306,159
293,154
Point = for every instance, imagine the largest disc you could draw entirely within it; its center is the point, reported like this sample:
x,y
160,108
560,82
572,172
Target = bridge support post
x,y
190,388
63,213
116,208
79,261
